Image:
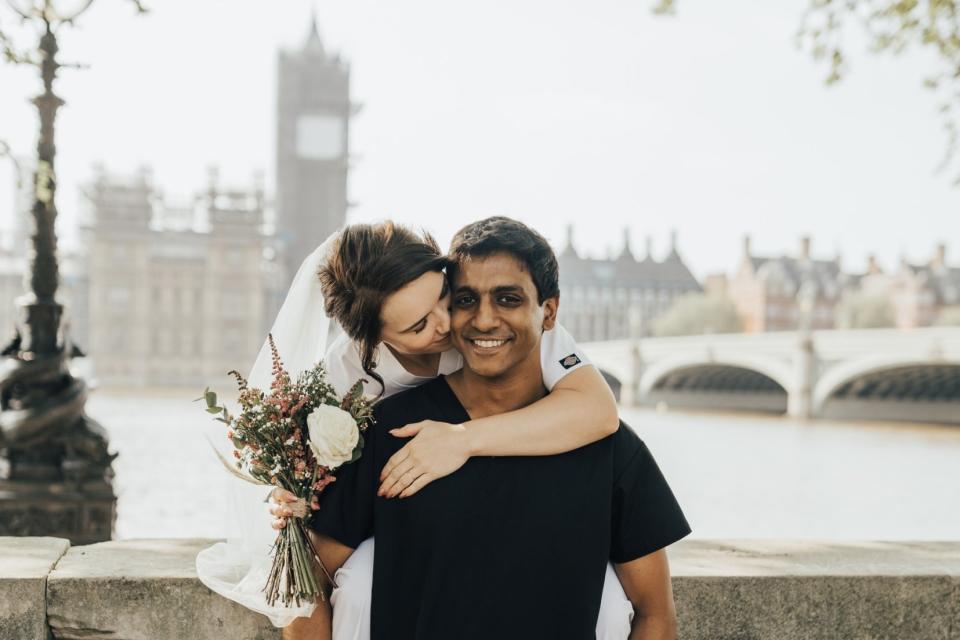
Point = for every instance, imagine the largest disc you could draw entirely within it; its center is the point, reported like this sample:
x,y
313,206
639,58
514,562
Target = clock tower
x,y
313,125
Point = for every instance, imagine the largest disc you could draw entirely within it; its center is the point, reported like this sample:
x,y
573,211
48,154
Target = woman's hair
x,y
368,263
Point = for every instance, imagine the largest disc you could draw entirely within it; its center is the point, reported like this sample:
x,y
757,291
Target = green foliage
x,y
859,310
697,313
891,26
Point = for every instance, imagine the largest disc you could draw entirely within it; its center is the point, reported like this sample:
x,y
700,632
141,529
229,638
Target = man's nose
x,y
486,318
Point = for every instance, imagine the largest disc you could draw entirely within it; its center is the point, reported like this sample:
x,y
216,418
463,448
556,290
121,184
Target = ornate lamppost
x,y
56,476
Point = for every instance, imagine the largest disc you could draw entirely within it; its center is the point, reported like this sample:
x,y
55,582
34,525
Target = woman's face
x,y
416,318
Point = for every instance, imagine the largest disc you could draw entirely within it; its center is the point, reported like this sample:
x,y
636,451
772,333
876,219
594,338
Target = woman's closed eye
x,y
420,326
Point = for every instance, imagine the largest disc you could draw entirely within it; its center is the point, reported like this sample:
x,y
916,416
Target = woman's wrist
x,y
473,439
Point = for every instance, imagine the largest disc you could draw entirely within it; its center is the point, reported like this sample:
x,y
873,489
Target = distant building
x,y
313,133
918,293
619,298
767,290
176,296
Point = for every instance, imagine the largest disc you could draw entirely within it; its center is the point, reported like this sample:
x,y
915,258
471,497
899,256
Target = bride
x,y
385,289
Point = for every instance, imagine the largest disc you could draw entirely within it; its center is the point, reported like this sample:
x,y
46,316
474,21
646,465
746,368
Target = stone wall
x,y
743,589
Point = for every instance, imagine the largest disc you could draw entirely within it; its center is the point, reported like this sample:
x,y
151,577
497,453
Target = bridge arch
x,y
776,372
888,375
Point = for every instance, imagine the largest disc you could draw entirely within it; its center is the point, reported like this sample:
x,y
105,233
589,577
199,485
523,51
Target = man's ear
x,y
550,308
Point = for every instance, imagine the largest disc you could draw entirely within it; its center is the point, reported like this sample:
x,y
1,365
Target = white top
x,y
559,356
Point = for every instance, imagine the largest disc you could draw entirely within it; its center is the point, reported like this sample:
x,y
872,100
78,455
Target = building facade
x,y
779,293
176,296
312,155
619,298
918,293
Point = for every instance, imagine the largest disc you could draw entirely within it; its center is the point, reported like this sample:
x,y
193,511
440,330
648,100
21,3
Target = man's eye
x,y
463,301
509,300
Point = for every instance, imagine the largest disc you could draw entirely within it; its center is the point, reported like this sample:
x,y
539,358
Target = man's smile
x,y
487,344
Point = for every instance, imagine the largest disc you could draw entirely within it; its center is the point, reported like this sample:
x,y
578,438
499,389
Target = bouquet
x,y
293,437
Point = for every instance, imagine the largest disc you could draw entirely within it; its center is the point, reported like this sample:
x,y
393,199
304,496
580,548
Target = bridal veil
x,y
238,567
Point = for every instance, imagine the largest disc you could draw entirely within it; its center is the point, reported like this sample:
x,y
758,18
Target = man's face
x,y
495,319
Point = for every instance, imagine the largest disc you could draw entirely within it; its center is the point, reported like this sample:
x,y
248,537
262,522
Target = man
x,y
504,547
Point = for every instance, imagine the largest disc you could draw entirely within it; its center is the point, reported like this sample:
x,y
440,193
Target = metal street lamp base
x,y
84,513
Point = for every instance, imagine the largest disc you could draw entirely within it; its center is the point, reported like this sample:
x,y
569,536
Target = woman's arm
x,y
579,410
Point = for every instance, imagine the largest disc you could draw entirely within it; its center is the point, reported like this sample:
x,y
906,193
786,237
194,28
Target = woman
x,y
385,288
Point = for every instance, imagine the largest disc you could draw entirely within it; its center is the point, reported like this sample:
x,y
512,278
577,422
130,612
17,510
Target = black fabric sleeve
x,y
346,505
646,515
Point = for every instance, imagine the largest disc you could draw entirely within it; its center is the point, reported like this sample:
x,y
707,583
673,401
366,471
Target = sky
x,y
711,123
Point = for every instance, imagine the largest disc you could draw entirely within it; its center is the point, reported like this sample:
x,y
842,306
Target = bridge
x,y
888,374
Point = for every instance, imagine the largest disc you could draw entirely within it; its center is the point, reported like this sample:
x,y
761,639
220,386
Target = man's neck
x,y
484,396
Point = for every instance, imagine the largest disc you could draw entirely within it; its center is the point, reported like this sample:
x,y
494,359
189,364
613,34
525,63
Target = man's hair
x,y
500,234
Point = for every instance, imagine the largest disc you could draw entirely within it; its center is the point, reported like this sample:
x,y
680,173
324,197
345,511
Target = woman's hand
x,y
438,449
278,506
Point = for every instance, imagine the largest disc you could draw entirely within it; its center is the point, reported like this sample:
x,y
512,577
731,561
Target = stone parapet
x,y
740,589
805,590
25,564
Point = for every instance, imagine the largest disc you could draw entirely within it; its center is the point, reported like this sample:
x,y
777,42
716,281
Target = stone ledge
x,y
143,589
24,566
729,589
799,590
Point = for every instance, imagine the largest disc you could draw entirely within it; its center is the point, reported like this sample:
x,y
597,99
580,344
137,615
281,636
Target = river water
x,y
735,475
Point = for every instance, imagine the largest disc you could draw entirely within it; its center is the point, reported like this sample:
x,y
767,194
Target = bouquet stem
x,y
292,577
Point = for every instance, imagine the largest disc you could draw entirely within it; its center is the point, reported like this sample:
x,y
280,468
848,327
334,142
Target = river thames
x,y
735,475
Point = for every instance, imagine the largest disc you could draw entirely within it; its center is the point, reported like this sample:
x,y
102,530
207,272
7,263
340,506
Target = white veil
x,y
237,569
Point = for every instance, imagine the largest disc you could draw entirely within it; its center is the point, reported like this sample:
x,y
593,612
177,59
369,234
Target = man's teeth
x,y
488,344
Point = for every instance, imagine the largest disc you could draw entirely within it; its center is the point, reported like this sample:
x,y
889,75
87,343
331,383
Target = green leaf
x,y
213,409
211,398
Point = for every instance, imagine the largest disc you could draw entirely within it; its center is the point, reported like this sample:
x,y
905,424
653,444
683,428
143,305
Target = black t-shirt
x,y
506,547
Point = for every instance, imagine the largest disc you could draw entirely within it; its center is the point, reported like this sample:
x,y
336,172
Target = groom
x,y
505,547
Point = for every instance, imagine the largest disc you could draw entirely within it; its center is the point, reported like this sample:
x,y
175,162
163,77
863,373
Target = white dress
x,y
354,580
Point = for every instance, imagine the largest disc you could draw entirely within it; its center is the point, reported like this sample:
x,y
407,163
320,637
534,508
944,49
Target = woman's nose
x,y
443,320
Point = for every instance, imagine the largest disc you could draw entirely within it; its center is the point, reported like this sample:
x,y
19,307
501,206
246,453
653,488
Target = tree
x,y
860,310
698,313
891,26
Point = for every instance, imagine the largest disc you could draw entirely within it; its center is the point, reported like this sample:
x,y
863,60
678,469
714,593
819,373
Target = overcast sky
x,y
593,113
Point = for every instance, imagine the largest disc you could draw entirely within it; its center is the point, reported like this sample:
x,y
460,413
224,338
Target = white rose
x,y
333,435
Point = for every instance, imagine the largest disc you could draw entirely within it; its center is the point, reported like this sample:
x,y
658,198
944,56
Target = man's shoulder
x,y
626,445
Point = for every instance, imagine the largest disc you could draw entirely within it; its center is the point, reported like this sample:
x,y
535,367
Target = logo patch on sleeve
x,y
571,360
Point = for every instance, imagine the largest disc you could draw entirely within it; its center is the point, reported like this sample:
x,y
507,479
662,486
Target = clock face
x,y
319,137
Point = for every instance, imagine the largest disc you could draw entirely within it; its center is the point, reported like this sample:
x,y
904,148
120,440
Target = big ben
x,y
313,133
